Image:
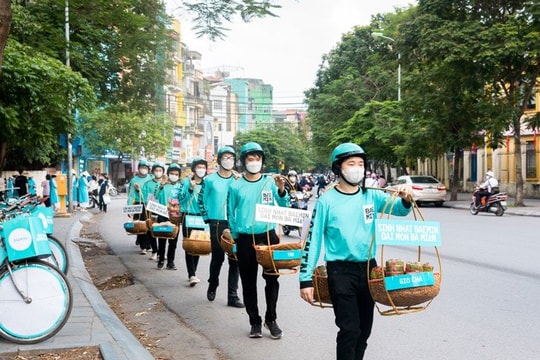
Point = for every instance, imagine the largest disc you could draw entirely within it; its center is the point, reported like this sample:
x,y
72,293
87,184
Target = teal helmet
x,y
344,151
251,148
143,162
224,150
197,161
156,165
174,167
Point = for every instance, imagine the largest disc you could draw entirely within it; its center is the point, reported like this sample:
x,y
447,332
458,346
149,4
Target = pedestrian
x,y
55,202
189,205
244,194
150,193
74,189
213,204
135,197
46,190
31,185
21,184
82,191
343,223
104,196
168,191
371,180
93,189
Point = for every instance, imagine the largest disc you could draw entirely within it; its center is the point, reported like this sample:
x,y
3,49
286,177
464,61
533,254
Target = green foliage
x,y
210,16
36,95
280,143
121,131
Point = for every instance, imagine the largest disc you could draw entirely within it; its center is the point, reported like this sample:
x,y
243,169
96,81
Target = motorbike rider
x,y
292,184
489,187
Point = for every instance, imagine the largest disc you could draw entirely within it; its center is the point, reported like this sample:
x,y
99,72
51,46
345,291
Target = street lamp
x,y
382,36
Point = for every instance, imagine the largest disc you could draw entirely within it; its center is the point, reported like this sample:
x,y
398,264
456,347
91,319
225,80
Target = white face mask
x,y
200,172
173,178
143,171
158,174
292,179
353,175
227,164
254,166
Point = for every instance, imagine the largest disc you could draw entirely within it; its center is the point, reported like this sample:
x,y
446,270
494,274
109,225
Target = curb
x,y
126,346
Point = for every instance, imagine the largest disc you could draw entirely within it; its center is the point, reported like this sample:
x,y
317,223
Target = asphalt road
x,y
486,308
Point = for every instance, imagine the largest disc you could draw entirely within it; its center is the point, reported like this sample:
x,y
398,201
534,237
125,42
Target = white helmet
x,y
490,174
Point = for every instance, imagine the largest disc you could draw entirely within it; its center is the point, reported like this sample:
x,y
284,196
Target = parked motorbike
x,y
93,198
299,200
495,203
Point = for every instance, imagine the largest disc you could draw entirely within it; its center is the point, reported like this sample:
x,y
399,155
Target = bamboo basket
x,y
136,227
196,244
283,256
321,292
406,300
227,244
164,230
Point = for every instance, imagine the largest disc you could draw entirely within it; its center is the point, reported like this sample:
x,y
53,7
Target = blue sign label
x,y
286,254
196,222
409,280
403,232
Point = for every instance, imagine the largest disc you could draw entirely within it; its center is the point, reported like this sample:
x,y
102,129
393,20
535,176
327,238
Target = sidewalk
x,y
93,323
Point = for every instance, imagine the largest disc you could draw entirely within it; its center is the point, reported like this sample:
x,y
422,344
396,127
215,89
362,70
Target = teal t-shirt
x,y
213,196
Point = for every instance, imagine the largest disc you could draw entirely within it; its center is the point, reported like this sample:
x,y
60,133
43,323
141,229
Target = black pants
x,y
353,306
146,241
218,257
248,267
192,261
102,205
480,195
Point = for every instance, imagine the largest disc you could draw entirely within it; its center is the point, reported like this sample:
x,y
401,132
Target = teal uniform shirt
x,y
151,187
243,196
344,224
168,191
188,198
213,196
134,195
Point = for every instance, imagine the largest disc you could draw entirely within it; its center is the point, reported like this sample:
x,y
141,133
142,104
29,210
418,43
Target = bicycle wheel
x,y
48,308
59,256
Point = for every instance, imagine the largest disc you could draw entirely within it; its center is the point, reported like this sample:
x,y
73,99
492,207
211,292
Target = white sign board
x,y
157,208
132,209
281,215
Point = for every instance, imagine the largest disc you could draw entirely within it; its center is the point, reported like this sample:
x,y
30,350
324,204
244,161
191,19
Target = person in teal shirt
x,y
244,194
32,186
188,200
150,191
82,191
165,195
343,222
135,198
55,202
213,204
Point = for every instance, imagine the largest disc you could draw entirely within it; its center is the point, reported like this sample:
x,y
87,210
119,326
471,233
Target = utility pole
x,y
68,137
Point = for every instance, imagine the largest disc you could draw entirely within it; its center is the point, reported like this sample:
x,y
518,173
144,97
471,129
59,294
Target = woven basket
x,y
321,293
264,255
165,230
176,219
151,220
404,297
136,227
227,244
195,245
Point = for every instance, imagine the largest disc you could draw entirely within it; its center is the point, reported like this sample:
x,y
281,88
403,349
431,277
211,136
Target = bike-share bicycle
x,y
35,296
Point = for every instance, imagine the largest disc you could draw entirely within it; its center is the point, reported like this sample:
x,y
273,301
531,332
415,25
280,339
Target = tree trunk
x,y
519,164
455,176
5,25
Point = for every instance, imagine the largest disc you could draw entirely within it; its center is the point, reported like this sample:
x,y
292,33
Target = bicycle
x,y
35,296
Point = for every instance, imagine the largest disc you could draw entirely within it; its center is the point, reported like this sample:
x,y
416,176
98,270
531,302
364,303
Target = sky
x,y
284,52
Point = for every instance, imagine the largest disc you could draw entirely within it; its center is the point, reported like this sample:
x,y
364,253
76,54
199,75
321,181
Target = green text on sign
x,y
409,280
403,232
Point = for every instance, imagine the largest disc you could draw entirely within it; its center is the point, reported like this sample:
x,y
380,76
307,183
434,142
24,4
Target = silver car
x,y
425,189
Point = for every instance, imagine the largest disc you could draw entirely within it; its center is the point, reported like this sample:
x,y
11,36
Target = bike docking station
x,y
411,286
62,189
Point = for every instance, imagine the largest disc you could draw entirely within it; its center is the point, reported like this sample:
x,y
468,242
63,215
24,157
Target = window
x,y
530,160
218,104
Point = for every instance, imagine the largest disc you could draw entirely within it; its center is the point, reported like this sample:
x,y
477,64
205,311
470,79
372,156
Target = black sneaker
x,y
211,293
256,331
275,331
171,266
160,265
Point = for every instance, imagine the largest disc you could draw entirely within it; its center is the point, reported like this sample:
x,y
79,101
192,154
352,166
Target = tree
x,y
280,144
36,92
5,23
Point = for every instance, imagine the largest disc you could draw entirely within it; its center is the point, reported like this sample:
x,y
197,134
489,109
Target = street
x,y
486,308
